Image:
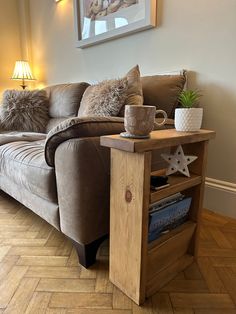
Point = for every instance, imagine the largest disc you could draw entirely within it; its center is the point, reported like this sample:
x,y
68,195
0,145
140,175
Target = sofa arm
x,y
82,169
80,128
82,176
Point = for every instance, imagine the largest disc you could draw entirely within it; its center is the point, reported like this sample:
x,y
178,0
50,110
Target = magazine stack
x,y
167,214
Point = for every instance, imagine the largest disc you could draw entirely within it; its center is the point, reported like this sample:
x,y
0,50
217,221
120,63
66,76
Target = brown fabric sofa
x,y
63,175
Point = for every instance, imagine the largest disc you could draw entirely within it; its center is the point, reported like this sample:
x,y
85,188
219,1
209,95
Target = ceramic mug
x,y
140,120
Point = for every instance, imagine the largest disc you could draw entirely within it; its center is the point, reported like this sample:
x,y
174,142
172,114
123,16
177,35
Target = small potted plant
x,y
188,118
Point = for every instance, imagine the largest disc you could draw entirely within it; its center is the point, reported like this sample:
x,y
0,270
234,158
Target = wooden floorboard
x,y
39,272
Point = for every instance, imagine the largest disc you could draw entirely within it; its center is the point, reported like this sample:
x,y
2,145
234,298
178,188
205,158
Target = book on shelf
x,y
168,216
157,233
157,188
166,201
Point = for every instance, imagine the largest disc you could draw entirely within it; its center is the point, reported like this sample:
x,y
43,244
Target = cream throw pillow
x,y
108,98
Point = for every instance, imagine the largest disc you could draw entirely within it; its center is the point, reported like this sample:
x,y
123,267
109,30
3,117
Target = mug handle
x,y
164,117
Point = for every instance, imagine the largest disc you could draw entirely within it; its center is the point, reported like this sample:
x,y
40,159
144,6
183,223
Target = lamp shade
x,y
22,71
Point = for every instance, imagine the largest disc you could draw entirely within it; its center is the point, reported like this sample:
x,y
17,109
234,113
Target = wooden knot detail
x,y
128,196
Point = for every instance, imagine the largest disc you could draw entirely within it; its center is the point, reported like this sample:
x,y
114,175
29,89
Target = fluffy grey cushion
x,y
108,98
24,110
104,99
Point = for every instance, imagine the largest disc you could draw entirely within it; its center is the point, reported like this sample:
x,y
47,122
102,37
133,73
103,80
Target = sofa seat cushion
x,y
24,164
15,136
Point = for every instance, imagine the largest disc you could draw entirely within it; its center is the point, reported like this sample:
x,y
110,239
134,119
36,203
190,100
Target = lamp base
x,y
23,86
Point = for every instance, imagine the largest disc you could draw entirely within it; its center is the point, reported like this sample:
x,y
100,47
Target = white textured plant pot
x,y
188,119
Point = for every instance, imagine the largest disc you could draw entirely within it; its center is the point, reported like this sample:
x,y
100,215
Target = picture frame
x,y
97,21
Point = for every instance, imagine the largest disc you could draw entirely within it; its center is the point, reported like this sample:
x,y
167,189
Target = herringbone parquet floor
x,y
39,272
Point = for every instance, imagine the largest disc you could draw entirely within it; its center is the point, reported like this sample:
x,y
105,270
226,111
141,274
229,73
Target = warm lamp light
x,y
22,72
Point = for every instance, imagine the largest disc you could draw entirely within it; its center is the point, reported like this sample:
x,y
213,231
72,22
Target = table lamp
x,y
22,72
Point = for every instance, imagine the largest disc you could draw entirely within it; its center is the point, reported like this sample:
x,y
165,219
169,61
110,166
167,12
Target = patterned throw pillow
x,y
24,111
108,98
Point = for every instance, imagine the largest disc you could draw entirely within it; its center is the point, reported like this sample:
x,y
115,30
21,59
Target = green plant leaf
x,y
189,98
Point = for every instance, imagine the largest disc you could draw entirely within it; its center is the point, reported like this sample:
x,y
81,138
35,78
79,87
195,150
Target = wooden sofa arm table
x,y
137,267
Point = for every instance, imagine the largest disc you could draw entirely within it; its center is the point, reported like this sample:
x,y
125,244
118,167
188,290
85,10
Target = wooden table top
x,y
158,139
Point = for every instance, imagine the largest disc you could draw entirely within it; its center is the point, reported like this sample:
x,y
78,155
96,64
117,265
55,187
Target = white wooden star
x,y
178,162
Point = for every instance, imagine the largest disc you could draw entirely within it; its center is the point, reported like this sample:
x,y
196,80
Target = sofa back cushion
x,y
64,99
53,122
163,91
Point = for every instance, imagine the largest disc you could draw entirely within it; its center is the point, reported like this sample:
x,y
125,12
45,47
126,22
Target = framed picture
x,y
97,21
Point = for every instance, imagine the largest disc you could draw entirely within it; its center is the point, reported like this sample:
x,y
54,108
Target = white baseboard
x,y
220,197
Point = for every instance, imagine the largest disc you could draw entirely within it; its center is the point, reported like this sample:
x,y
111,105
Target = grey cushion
x,y
24,110
65,99
24,164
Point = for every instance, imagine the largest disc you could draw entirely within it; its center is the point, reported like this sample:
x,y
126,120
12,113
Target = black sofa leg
x,y
87,253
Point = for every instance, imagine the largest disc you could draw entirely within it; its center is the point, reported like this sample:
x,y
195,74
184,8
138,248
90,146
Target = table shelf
x,y
178,183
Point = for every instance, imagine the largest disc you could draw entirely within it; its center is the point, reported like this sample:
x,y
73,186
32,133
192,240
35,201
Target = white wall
x,y
9,42
198,36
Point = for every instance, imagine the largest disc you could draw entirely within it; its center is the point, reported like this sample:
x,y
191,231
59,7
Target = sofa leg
x,y
87,253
